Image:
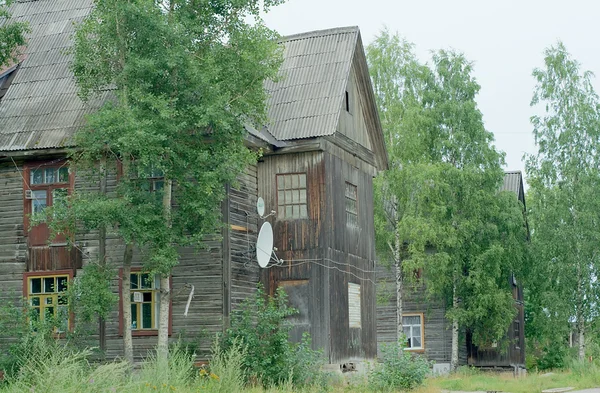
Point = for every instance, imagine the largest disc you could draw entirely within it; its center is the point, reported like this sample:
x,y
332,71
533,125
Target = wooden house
x,y
431,333
321,149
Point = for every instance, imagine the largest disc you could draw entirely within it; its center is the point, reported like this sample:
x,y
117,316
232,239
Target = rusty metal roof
x,y
307,100
41,108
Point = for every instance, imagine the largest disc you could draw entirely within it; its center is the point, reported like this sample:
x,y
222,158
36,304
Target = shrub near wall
x,y
271,359
399,369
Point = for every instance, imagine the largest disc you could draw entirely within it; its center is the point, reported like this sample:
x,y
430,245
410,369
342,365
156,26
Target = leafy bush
x,y
399,369
271,359
553,356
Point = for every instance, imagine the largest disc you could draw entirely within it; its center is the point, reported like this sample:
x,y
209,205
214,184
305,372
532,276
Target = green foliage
x,y
564,206
439,203
399,369
227,369
12,35
22,334
91,294
271,359
185,78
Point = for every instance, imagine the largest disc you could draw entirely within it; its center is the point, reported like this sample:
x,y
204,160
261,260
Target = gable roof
x,y
307,99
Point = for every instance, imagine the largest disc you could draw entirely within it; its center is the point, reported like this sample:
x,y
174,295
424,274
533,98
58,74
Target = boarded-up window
x,y
298,292
354,305
291,196
351,205
413,330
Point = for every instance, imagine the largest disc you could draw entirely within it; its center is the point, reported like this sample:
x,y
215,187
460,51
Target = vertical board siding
x,y
352,124
299,242
352,250
244,219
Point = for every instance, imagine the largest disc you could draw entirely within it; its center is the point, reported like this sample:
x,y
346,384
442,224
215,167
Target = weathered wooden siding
x,y
350,256
13,246
299,242
438,332
243,231
352,122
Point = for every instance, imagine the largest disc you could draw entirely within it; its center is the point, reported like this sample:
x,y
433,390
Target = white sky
x,y
505,39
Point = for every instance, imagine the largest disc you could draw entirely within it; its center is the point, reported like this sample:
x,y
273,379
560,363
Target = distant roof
x,y
513,181
306,101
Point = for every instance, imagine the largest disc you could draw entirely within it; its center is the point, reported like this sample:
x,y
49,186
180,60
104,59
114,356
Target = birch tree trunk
x,y
580,313
454,355
162,347
581,329
399,288
126,303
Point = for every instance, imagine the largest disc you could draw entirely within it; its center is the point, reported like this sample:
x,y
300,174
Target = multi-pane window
x,y
44,186
291,196
413,330
144,301
48,299
351,205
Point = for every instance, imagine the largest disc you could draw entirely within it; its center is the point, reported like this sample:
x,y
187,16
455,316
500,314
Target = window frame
x,y
279,176
45,274
422,316
346,199
69,185
143,332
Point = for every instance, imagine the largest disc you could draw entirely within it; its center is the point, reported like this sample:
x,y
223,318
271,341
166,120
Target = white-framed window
x,y
354,309
413,330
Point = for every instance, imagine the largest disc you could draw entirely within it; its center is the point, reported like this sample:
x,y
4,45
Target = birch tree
x,y
438,205
564,178
180,79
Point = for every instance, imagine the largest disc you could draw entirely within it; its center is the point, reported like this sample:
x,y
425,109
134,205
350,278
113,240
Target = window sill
x,y
416,350
141,333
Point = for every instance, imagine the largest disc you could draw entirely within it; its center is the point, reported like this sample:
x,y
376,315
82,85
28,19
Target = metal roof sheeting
x,y
41,108
307,100
513,181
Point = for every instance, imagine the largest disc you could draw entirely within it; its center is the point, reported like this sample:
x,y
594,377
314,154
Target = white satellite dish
x,y
260,206
264,244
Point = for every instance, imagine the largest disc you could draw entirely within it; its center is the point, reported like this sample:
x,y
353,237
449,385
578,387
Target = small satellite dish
x,y
264,244
260,206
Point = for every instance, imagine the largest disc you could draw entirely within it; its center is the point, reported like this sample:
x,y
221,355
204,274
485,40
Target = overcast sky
x,y
505,40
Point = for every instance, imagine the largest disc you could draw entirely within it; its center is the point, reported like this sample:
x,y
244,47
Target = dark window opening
x,y
351,194
347,102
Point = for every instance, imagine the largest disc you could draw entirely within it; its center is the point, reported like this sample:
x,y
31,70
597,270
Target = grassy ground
x,y
581,377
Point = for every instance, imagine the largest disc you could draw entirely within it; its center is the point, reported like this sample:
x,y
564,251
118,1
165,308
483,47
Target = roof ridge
x,y
513,172
320,33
